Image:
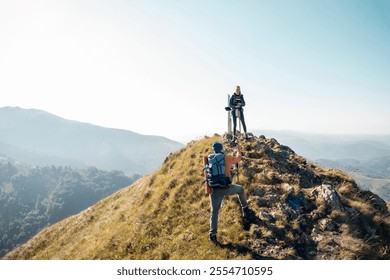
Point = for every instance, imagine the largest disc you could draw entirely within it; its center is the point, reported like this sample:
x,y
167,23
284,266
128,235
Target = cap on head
x,y
217,147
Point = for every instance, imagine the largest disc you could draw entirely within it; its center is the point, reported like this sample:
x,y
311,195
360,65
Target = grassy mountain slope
x,y
165,215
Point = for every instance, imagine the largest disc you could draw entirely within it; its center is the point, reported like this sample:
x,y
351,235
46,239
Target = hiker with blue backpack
x,y
218,177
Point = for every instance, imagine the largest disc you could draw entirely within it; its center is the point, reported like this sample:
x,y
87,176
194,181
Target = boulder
x,y
329,195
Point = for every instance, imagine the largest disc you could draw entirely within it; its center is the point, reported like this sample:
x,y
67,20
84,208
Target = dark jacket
x,y
235,100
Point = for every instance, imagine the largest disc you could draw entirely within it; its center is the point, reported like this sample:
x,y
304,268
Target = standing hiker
x,y
237,103
218,193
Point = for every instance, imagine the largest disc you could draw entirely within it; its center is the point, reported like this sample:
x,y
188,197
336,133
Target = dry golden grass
x,y
162,216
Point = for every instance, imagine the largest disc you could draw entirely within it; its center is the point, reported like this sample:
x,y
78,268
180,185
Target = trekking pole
x,y
238,151
239,121
238,177
228,109
238,116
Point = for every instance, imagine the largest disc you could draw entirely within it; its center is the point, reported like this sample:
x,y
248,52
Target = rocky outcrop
x,y
329,195
324,213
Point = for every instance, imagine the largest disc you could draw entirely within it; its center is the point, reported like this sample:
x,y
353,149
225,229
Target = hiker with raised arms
x,y
236,103
219,179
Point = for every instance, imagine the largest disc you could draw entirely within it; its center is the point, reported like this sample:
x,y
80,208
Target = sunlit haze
x,y
166,67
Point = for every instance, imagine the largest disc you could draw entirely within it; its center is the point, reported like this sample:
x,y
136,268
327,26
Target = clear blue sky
x,y
166,67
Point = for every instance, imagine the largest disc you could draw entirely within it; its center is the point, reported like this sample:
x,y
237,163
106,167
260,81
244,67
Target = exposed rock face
x,y
329,195
319,207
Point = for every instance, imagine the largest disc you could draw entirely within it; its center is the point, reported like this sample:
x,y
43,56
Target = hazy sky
x,y
166,67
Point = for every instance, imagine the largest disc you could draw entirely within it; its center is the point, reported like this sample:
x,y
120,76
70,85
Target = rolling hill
x,y
303,211
32,198
379,186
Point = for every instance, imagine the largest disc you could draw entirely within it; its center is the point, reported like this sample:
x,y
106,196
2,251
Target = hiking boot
x,y
246,212
247,217
213,238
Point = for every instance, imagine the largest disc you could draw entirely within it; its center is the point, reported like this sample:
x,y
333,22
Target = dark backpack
x,y
215,171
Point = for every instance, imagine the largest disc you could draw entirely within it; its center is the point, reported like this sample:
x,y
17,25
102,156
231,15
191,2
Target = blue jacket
x,y
234,100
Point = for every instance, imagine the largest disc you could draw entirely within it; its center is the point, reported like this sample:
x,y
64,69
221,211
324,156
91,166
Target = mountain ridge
x,y
38,137
303,211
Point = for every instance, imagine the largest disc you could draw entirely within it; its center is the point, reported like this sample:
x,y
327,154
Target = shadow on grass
x,y
242,250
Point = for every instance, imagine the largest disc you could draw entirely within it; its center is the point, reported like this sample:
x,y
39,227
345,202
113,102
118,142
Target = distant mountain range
x,y
333,147
39,138
378,167
378,186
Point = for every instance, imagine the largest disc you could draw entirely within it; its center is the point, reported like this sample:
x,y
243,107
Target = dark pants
x,y
216,198
242,119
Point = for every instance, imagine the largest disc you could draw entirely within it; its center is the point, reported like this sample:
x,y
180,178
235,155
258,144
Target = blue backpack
x,y
215,171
